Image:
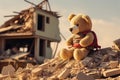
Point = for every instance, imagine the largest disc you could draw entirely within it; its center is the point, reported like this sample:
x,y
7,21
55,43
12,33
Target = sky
x,y
105,15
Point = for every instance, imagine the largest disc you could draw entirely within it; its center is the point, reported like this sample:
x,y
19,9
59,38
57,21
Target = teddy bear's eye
x,y
77,24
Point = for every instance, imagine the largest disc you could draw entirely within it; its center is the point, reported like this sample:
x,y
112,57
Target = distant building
x,y
32,29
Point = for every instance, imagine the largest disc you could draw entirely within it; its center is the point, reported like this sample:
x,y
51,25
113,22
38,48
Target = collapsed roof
x,y
23,21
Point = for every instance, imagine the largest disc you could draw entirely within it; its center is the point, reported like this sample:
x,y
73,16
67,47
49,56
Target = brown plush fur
x,y
81,23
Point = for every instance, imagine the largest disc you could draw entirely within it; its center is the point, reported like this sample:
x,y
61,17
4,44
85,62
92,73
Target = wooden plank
x,y
10,15
36,71
6,28
3,29
19,55
17,34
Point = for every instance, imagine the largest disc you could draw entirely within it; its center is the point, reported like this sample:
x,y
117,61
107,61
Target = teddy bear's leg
x,y
79,54
66,54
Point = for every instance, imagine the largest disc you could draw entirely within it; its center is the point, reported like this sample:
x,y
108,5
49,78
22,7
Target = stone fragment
x,y
53,78
19,70
8,70
104,64
116,44
105,58
82,76
36,71
111,72
113,64
95,74
100,79
2,77
22,76
85,61
64,74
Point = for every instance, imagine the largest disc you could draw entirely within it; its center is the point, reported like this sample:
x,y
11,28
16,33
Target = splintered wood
x,y
19,23
98,65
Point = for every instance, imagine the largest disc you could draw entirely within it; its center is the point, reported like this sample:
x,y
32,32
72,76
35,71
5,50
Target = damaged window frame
x,y
41,22
47,20
42,48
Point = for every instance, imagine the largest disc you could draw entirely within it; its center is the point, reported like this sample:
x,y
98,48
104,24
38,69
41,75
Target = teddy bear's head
x,y
80,23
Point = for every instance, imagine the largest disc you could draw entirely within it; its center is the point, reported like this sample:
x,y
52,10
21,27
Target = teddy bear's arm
x,y
87,40
69,42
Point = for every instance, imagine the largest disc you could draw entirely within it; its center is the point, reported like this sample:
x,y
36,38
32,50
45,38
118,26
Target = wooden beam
x,y
19,55
10,15
16,34
3,29
30,2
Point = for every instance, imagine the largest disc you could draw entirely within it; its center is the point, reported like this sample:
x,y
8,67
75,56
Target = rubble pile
x,y
103,64
19,23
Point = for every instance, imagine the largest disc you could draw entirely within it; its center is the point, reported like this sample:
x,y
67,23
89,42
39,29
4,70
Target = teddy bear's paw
x,y
65,54
79,54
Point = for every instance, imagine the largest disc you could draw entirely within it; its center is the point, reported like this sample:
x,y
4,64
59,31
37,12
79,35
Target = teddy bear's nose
x,y
71,29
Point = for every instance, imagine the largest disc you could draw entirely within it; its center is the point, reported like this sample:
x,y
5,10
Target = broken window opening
x,y
42,47
41,23
20,45
47,20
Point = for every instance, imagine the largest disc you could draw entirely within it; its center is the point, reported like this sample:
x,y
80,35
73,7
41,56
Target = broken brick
x,y
113,64
82,76
85,61
111,72
36,71
8,70
64,74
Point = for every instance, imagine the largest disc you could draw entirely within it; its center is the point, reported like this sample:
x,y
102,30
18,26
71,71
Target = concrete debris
x,y
64,74
82,76
116,45
98,65
86,61
111,72
8,70
113,64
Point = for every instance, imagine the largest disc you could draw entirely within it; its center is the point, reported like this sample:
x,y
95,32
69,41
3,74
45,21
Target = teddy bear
x,y
83,39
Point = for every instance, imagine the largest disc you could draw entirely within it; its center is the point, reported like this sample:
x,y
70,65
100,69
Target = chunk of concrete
x,y
111,72
85,61
82,76
113,64
64,74
8,70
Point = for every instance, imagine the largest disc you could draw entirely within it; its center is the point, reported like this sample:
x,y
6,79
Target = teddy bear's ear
x,y
71,16
87,19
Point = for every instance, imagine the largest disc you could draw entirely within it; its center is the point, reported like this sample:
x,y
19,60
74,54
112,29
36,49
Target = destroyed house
x,y
30,32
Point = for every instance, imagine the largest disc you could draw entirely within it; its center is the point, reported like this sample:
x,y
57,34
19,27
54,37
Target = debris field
x,y
103,64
